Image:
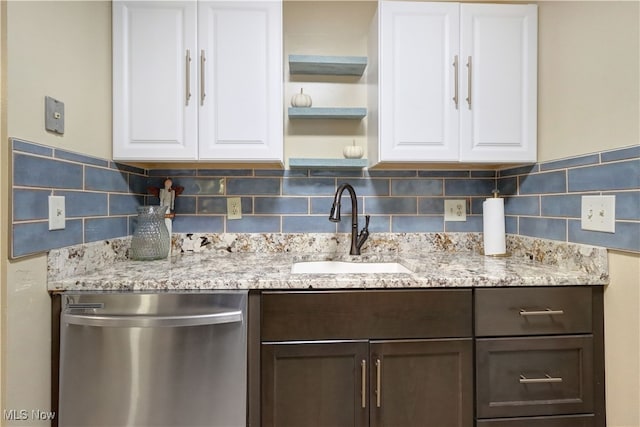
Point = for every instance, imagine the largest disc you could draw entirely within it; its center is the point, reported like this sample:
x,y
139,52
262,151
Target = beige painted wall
x,y
588,78
60,49
622,341
4,205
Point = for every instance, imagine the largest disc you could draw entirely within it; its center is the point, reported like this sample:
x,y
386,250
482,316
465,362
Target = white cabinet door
x,y
417,113
241,109
153,116
498,53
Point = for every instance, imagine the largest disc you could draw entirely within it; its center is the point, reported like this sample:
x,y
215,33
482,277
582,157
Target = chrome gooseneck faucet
x,y
357,240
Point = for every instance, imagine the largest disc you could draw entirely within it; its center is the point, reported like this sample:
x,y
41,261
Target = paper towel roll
x,y
493,226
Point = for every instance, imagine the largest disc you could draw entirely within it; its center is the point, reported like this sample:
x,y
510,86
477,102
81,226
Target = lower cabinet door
x,y
426,383
315,384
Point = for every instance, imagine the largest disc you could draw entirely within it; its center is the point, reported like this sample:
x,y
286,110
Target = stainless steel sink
x,y
342,267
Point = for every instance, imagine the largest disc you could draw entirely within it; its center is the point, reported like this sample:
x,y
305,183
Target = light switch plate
x,y
455,210
57,213
234,208
599,213
53,115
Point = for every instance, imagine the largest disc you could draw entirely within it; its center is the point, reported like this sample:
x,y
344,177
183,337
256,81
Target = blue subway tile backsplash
x,y
32,171
102,197
608,176
30,204
99,179
549,182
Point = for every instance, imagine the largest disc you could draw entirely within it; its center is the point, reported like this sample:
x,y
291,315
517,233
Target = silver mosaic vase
x,y
151,238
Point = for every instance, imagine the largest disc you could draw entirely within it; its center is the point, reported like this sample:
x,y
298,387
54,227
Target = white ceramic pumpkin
x,y
301,100
353,151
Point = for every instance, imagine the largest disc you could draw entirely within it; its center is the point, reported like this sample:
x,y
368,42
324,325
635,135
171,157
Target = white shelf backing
x,y
327,65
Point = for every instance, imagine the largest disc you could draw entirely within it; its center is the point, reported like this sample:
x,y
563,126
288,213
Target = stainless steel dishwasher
x,y
161,359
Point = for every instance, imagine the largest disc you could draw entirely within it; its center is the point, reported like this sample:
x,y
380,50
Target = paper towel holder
x,y
505,254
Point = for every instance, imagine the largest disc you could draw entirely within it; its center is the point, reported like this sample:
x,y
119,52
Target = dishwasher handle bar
x,y
117,321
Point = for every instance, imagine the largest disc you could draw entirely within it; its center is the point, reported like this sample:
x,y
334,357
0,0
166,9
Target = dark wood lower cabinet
x,y
314,384
422,383
427,383
495,357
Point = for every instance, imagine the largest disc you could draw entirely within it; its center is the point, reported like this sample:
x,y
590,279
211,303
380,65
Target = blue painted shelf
x,y
327,113
328,163
327,65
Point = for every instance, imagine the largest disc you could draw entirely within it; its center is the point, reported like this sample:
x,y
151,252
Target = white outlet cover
x,y
455,210
57,213
598,213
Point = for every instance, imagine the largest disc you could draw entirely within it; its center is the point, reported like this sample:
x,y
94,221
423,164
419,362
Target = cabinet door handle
x,y
363,391
469,66
546,312
188,79
455,80
378,383
547,379
203,94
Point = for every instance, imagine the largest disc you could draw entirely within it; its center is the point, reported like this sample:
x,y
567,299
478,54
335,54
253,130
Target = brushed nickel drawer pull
x,y
469,82
547,379
203,59
188,76
455,78
378,384
546,312
363,391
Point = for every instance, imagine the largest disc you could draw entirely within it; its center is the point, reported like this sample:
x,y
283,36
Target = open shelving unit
x,y
331,66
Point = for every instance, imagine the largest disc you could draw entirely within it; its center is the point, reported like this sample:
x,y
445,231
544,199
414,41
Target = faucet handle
x,y
364,234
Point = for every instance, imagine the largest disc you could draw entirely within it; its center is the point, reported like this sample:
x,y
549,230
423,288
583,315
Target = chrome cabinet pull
x,y
203,94
547,379
188,79
378,383
455,79
363,391
546,312
469,82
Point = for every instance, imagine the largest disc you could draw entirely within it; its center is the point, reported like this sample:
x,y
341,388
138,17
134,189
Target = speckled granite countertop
x,y
215,264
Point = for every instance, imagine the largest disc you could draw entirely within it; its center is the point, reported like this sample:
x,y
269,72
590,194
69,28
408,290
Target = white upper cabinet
x,y
498,118
152,115
198,80
241,116
418,119
455,82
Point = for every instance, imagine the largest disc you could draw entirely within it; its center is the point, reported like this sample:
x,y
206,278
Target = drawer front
x,y
532,311
396,314
561,421
519,377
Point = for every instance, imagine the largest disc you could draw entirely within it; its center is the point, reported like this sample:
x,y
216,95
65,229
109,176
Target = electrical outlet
x,y
57,213
455,210
599,213
234,208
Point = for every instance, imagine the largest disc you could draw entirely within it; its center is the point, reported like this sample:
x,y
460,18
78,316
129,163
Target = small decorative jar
x,y
151,239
